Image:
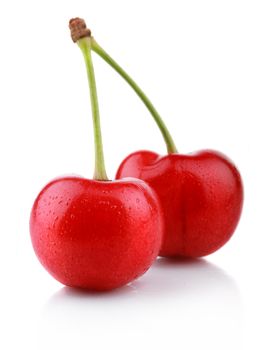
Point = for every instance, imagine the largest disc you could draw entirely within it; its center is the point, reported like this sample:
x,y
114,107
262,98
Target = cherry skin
x,y
97,235
201,195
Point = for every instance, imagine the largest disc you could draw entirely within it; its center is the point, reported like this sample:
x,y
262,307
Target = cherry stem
x,y
100,171
171,148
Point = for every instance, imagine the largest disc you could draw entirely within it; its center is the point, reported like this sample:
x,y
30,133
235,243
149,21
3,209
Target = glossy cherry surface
x,y
96,234
201,195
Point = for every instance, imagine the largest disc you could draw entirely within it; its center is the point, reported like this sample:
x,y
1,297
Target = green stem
x,y
100,171
171,148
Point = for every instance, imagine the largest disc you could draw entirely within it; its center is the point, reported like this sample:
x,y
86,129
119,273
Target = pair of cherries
x,y
100,234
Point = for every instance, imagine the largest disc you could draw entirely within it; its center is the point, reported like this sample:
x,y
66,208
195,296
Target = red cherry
x,y
201,195
96,234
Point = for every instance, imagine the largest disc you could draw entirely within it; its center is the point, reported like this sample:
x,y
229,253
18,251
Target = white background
x,y
205,65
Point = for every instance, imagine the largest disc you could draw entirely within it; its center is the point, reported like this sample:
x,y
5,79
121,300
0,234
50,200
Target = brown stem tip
x,y
78,29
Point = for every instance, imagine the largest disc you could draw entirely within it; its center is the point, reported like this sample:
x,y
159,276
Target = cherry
x,y
95,234
201,193
201,196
